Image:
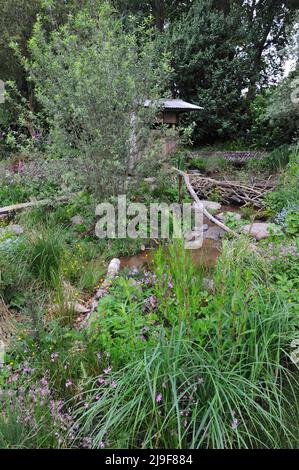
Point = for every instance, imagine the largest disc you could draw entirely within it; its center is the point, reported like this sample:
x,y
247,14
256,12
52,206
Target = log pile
x,y
235,192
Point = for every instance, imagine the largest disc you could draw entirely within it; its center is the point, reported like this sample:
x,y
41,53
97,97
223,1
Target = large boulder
x,y
214,233
113,268
202,228
258,230
196,233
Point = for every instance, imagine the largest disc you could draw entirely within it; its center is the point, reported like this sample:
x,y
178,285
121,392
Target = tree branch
x,y
201,207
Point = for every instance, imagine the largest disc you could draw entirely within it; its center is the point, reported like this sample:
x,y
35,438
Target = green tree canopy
x,y
91,79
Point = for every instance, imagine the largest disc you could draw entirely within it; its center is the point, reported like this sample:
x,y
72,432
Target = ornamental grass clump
x,y
181,396
45,251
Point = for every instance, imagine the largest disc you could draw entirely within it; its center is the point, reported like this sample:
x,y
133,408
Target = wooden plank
x,y
24,205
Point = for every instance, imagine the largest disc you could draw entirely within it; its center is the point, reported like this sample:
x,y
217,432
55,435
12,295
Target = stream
x,y
206,256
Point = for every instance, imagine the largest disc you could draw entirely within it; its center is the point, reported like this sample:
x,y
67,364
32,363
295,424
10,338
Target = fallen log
x,y
25,205
16,207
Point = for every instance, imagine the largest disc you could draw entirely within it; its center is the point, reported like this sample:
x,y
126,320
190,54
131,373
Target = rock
x,y
202,228
77,220
192,235
214,233
232,215
113,268
194,244
196,233
209,205
13,229
259,230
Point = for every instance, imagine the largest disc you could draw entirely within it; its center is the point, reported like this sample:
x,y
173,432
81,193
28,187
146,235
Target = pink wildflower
x,y
159,397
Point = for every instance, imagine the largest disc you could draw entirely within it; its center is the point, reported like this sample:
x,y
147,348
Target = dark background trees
x,y
224,52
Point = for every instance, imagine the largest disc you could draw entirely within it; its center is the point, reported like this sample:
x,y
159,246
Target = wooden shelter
x,y
168,112
171,109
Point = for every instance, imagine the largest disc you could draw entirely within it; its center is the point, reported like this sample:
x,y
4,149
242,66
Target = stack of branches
x,y
233,191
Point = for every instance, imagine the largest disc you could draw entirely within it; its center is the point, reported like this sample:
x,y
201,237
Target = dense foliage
x,y
223,55
161,349
187,350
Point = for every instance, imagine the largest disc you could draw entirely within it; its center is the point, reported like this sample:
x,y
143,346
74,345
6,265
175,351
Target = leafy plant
x,y
287,192
292,223
121,323
198,163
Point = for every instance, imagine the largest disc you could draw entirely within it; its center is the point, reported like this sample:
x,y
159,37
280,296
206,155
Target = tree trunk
x,y
158,10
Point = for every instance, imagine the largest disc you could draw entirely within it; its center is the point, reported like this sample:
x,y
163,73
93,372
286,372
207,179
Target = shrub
x,y
40,178
211,164
274,161
275,115
80,71
198,163
287,192
12,194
